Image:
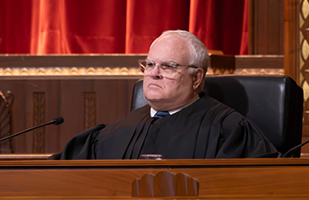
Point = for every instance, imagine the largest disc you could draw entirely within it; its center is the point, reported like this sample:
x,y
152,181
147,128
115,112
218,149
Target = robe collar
x,y
171,112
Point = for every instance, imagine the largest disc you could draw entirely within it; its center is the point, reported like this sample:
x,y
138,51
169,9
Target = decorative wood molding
x,y
250,71
246,65
71,60
90,109
108,72
297,55
70,65
6,101
68,71
165,184
39,118
14,156
105,66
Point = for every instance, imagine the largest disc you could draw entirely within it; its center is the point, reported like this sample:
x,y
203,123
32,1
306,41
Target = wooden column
x,y
291,41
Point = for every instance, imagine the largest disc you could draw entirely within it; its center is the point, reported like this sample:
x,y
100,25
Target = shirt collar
x,y
153,112
171,112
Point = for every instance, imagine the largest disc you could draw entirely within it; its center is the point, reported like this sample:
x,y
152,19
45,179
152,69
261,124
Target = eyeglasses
x,y
166,68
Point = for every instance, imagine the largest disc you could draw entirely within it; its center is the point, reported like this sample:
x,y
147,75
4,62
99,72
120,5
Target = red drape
x,y
118,26
219,24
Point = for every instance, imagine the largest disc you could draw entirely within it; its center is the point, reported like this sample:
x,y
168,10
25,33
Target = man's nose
x,y
156,72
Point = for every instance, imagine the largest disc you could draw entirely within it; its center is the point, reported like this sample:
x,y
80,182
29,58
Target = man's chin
x,y
154,100
154,95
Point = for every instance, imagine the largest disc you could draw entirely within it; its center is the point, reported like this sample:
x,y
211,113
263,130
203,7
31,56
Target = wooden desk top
x,y
284,178
177,163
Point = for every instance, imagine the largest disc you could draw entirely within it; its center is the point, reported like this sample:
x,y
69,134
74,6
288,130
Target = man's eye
x,y
150,64
167,66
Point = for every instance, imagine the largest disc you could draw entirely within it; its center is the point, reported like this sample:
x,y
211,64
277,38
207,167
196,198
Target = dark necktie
x,y
161,114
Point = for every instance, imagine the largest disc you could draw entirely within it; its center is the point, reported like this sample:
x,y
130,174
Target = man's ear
x,y
198,76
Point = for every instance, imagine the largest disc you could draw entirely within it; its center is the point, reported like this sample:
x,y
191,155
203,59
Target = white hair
x,y
199,54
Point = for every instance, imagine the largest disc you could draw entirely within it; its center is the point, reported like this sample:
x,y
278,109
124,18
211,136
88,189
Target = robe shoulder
x,y
80,146
243,139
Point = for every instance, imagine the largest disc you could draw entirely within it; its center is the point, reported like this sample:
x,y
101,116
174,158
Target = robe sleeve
x,y
242,139
80,146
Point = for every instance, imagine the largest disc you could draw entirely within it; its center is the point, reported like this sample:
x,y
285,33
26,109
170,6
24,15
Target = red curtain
x,y
118,26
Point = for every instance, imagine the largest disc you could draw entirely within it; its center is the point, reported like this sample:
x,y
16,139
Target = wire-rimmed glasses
x,y
165,68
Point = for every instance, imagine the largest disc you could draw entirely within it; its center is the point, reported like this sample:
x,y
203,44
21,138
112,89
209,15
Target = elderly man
x,y
180,121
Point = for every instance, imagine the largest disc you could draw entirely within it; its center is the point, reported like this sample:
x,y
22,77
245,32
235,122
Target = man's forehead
x,y
173,39
169,48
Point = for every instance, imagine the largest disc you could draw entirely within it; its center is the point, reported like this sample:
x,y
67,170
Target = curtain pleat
x,y
219,24
146,20
47,27
245,30
15,22
40,27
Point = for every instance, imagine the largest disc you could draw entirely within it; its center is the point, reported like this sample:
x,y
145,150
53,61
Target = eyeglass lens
x,y
165,68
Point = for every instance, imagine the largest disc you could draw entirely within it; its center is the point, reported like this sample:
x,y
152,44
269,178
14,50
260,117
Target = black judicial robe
x,y
204,129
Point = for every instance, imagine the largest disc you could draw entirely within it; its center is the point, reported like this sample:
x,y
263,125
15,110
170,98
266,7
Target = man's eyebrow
x,y
169,62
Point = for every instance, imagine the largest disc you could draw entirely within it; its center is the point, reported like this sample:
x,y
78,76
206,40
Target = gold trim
x,y
99,71
68,71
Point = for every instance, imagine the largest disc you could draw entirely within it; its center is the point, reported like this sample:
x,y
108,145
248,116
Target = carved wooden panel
x,y
39,118
6,101
90,108
165,184
302,61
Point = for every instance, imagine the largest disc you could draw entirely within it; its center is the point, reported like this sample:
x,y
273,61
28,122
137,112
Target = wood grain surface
x,y
112,179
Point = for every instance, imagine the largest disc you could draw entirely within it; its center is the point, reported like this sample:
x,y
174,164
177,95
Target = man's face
x,y
173,91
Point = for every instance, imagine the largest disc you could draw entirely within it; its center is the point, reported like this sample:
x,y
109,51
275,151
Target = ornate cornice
x,y
68,71
99,71
111,65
